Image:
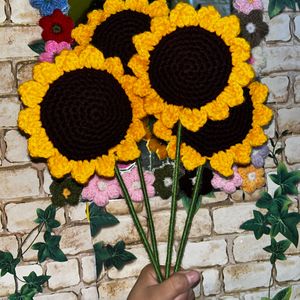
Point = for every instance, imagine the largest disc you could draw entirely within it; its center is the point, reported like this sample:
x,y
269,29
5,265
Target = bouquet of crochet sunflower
x,y
135,70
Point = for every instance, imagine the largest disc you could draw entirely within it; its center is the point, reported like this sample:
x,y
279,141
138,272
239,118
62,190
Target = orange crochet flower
x,y
253,178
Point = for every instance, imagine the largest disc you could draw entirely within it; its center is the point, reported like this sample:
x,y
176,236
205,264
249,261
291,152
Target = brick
x,y
204,254
88,264
283,58
288,269
63,274
117,289
259,57
229,219
15,223
23,13
246,276
270,129
201,224
211,282
16,147
26,270
16,39
125,231
9,111
247,248
31,255
76,239
89,294
9,243
77,213
297,89
219,197
297,26
21,182
2,11
271,185
279,28
7,81
47,181
134,268
288,119
7,285
119,207
260,295
278,88
24,71
57,296
292,149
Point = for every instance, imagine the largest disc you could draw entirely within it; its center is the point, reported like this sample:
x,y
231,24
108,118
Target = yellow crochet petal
x,y
40,146
96,17
241,153
32,92
59,165
191,159
136,130
170,115
83,170
137,106
46,73
91,57
105,165
113,6
193,119
136,5
127,150
184,15
208,17
68,61
153,104
162,26
228,28
142,87
114,66
138,65
171,147
262,115
82,34
232,95
259,92
217,110
161,131
144,43
256,137
240,50
241,73
222,162
29,120
158,8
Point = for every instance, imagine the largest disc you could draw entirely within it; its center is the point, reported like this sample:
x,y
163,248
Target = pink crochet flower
x,y
246,6
53,48
133,184
100,190
228,185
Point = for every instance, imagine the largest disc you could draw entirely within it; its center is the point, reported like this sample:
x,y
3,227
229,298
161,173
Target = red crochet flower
x,y
57,27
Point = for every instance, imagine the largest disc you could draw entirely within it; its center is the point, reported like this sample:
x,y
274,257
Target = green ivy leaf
x,y
258,225
186,202
34,281
275,205
8,264
101,254
47,217
275,7
50,248
277,249
285,294
38,46
290,4
99,218
286,224
26,293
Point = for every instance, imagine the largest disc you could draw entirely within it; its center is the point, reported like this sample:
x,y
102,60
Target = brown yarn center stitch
x,y
190,67
85,113
216,136
113,37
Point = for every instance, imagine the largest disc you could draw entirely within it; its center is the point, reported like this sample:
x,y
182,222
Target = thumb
x,y
179,283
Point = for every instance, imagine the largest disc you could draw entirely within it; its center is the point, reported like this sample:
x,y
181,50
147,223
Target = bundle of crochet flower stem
x,y
187,68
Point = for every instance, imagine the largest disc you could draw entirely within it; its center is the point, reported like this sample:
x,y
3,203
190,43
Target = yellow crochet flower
x,y
191,66
81,114
225,142
111,30
253,178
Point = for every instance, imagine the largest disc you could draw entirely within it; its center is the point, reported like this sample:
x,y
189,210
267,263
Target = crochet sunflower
x,y
191,66
225,142
81,114
111,30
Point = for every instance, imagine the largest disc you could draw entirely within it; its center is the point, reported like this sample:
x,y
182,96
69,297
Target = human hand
x,y
178,287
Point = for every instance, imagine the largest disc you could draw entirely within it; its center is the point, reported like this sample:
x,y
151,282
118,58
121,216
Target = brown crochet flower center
x,y
190,67
113,37
216,136
85,113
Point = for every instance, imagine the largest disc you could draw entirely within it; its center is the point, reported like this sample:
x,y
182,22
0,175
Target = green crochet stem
x,y
173,203
138,226
148,210
189,219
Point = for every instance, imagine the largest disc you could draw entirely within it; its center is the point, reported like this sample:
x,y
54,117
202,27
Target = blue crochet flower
x,y
46,7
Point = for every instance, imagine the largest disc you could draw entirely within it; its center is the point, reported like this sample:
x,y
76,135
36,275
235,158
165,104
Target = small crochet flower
x,y
253,28
246,6
53,48
66,191
163,181
100,190
253,178
228,185
259,155
57,27
46,7
133,184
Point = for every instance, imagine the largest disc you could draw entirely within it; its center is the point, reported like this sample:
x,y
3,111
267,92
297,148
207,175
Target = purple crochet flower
x,y
259,155
246,6
47,7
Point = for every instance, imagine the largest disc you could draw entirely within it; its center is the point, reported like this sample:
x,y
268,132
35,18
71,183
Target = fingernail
x,y
192,277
